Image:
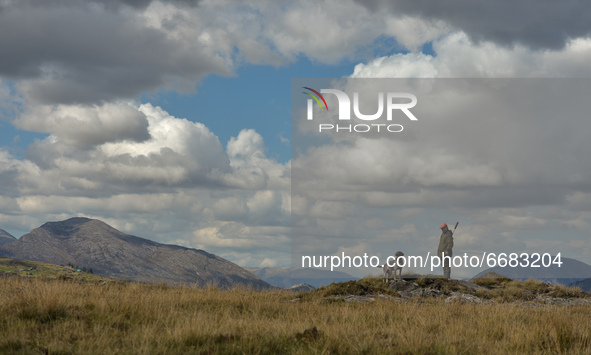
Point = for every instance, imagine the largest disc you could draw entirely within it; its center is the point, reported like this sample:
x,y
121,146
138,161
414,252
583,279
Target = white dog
x,y
389,270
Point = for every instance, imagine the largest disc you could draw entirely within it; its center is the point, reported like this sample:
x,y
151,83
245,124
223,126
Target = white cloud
x,y
230,208
75,52
457,56
90,152
268,263
86,126
413,65
413,32
251,168
236,235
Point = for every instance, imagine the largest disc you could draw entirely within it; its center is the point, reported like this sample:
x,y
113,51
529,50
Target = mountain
x,y
281,277
584,285
571,270
6,237
94,244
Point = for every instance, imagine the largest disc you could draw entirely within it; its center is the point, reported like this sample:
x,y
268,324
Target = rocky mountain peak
x,y
67,227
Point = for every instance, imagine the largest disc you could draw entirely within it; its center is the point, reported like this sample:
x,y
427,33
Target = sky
x,y
172,120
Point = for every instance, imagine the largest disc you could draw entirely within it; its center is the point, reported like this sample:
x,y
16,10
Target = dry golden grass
x,y
69,317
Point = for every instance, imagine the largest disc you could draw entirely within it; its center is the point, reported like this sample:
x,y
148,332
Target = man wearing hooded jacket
x,y
446,243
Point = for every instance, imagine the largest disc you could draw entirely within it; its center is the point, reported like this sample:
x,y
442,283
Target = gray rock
x,y
303,287
405,294
362,299
425,292
557,301
470,285
403,286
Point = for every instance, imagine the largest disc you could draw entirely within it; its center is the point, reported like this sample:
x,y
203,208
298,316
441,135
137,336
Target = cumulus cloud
x,y
505,22
86,126
76,52
251,168
141,149
254,208
90,52
458,56
455,143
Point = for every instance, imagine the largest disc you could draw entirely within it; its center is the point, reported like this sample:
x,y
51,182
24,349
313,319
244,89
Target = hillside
x,y
36,269
93,244
6,237
570,271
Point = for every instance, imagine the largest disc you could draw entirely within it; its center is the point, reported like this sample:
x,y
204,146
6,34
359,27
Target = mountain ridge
x,y
109,252
6,237
584,285
571,270
288,277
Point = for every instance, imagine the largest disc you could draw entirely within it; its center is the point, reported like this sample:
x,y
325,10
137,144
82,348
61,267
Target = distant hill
x,y
584,285
281,277
570,271
6,237
94,244
34,269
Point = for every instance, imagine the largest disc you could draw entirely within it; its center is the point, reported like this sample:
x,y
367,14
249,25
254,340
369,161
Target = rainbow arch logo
x,y
316,98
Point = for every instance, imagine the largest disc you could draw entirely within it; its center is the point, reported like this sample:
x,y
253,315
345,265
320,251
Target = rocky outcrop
x,y
361,299
453,292
303,287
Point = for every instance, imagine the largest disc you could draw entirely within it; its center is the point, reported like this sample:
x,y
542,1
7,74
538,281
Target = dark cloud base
x,y
536,24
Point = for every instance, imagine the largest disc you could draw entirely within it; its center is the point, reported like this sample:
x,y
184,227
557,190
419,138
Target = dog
x,y
389,270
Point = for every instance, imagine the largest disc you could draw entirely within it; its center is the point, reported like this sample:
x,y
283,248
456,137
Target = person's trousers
x,y
447,268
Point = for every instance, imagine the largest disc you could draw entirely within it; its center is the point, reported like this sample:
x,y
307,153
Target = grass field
x,y
57,316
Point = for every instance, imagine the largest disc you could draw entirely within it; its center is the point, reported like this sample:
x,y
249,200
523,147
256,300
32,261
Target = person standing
x,y
446,243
